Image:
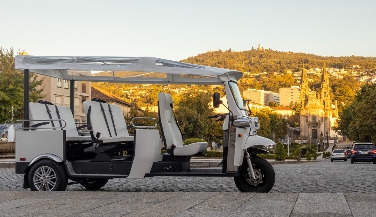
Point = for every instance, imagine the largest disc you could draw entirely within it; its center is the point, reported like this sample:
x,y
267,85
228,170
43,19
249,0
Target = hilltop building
x,y
318,113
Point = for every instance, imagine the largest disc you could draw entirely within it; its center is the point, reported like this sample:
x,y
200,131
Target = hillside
x,y
267,60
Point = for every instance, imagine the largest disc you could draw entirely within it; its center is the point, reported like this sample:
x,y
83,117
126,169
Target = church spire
x,y
304,89
325,90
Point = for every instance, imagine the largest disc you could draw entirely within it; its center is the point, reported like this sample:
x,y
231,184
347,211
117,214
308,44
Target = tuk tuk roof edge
x,y
141,67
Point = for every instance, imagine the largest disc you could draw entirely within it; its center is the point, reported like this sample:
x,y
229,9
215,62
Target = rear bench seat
x,y
45,116
107,121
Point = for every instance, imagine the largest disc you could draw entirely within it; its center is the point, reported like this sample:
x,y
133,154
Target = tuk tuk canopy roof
x,y
124,69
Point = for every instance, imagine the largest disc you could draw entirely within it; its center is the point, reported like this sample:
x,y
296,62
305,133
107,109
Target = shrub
x,y
314,154
298,153
213,154
279,153
308,155
192,140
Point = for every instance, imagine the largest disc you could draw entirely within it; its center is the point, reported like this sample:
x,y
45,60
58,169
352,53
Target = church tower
x,y
325,99
304,89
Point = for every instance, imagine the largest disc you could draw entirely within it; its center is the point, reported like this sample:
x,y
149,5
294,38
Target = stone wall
x,y
7,147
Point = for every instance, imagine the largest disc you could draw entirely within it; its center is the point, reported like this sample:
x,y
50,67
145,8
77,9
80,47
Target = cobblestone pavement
x,y
315,177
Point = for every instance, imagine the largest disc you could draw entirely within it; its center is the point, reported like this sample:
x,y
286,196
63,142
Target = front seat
x,y
171,134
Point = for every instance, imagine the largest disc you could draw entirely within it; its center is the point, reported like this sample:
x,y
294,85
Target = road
x,y
315,177
321,188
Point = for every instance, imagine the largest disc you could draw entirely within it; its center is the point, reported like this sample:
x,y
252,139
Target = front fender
x,y
257,140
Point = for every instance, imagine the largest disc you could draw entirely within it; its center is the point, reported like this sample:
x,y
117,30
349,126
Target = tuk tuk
x,y
52,152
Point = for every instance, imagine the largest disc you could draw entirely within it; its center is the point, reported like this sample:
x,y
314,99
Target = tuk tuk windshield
x,y
236,94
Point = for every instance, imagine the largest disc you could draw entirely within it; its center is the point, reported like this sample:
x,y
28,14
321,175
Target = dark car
x,y
365,152
348,153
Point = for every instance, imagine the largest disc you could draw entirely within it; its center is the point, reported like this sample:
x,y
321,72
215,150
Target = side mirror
x,y
216,100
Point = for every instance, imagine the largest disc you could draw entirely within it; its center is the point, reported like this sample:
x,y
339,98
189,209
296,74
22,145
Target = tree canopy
x,y
357,119
11,87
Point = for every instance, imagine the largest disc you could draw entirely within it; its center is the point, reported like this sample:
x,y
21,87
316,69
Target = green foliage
x,y
357,120
279,153
191,112
11,87
298,153
213,154
192,140
314,154
308,155
326,154
272,125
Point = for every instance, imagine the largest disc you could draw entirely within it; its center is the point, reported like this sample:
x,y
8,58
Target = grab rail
x,y
135,125
42,122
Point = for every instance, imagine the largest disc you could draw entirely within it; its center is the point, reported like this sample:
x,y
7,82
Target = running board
x,y
204,172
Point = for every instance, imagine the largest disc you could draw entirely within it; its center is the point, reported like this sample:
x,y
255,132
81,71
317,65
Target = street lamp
x,y
327,138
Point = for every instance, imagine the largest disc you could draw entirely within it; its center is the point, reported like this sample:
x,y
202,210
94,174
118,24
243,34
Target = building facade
x,y
57,91
289,96
318,112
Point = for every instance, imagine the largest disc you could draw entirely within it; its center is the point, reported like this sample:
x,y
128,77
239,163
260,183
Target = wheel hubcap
x,y
258,177
44,178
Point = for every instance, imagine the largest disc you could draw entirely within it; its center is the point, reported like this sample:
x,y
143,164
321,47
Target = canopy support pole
x,y
26,124
71,97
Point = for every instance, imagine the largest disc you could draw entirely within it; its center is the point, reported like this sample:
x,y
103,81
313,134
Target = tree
x,y
357,119
11,87
192,113
272,125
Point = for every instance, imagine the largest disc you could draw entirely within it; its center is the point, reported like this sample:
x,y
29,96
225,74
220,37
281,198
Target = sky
x,y
178,29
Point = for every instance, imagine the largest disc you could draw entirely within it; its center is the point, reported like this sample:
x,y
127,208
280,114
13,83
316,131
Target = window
x,y
83,87
66,100
58,100
59,82
66,84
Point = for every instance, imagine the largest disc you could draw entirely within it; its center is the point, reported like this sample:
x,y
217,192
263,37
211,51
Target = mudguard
x,y
257,140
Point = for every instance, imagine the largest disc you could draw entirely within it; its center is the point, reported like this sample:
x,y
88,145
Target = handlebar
x,y
219,117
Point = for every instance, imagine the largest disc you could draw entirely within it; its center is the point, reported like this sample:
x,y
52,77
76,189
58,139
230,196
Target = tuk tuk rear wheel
x,y
47,175
264,176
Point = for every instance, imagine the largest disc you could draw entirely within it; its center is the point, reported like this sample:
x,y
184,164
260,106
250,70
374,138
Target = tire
x,y
265,176
346,159
352,161
331,160
93,184
47,175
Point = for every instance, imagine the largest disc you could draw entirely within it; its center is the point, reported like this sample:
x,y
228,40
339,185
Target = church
x,y
318,112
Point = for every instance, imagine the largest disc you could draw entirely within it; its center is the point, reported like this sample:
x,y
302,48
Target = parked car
x,y
365,152
338,154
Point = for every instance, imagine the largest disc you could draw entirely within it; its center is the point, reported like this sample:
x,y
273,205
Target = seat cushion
x,y
191,149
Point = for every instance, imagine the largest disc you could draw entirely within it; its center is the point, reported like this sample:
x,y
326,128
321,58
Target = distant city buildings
x,y
289,96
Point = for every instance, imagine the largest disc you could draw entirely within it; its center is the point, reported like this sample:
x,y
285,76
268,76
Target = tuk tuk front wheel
x,y
264,176
47,175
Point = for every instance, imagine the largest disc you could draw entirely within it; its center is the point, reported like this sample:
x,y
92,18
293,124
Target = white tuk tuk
x,y
52,152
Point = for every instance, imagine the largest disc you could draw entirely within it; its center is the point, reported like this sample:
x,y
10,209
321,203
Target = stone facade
x,y
318,112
